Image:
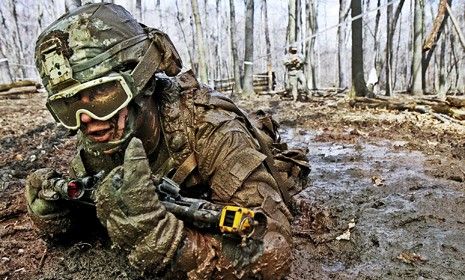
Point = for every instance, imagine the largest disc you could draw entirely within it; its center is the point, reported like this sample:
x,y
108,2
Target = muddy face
x,y
104,131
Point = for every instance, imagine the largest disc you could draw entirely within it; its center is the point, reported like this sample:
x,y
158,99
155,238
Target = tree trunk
x,y
457,27
291,25
340,43
417,65
269,63
390,31
377,58
202,71
248,57
310,50
390,36
430,43
235,55
20,42
438,25
72,4
139,11
442,71
159,14
298,23
5,74
358,79
218,42
180,18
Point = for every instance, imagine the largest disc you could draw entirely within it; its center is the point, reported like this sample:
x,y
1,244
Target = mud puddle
x,y
371,211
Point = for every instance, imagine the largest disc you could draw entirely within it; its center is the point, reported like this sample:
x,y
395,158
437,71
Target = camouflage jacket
x,y
207,148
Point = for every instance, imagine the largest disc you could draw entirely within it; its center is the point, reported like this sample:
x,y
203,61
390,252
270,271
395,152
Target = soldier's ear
x,y
171,62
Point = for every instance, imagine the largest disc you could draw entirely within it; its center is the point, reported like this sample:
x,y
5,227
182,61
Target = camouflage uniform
x,y
206,146
295,77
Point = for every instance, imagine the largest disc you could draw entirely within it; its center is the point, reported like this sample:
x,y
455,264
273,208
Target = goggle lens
x,y
100,99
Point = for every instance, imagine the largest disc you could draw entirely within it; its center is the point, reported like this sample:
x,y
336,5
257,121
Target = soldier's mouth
x,y
104,131
100,132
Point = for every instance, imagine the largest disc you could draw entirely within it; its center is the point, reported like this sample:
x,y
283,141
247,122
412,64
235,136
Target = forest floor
x,y
386,198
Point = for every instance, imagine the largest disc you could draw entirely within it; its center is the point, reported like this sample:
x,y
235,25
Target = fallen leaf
x,y
377,181
410,257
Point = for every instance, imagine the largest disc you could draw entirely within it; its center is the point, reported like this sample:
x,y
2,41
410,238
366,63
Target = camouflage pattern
x,y
84,35
136,221
228,170
295,76
191,134
91,42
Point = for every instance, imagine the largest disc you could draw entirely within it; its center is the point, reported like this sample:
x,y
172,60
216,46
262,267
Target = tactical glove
x,y
128,206
50,217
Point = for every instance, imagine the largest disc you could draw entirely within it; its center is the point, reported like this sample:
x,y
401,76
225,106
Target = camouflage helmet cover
x,y
95,39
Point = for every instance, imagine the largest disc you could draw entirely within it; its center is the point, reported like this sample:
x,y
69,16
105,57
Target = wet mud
x,y
385,198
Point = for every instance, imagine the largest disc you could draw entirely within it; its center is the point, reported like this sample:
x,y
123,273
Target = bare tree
x,y
218,41
430,43
72,4
248,56
181,20
391,23
358,79
310,50
417,57
340,42
202,70
235,55
443,85
457,27
139,10
269,63
292,22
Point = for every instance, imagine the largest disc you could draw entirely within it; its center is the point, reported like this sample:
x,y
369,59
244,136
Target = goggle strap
x,y
147,67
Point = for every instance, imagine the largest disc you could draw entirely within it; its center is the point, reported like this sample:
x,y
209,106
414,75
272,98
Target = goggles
x,y
100,98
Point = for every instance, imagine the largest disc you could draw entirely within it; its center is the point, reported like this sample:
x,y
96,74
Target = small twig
x,y
22,269
42,259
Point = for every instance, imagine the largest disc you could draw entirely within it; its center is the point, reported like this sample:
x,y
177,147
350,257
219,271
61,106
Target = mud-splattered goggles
x,y
101,99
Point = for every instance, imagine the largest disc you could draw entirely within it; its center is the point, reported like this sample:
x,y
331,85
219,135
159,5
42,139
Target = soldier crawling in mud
x,y
295,82
118,83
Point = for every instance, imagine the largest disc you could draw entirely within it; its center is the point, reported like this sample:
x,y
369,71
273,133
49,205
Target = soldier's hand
x,y
136,220
36,182
126,198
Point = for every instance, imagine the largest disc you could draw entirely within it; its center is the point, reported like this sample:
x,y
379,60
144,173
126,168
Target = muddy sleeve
x,y
229,160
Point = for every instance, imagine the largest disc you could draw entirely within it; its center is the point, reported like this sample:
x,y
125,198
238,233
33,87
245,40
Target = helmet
x,y
293,48
100,44
100,50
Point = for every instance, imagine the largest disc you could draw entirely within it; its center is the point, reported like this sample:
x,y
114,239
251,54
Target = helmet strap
x,y
147,67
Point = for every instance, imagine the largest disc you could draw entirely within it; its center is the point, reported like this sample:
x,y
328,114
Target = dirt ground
x,y
385,199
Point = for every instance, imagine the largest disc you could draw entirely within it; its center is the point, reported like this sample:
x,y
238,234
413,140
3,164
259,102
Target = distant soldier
x,y
295,74
372,83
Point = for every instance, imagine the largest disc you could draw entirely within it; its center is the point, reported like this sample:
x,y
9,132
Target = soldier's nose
x,y
85,118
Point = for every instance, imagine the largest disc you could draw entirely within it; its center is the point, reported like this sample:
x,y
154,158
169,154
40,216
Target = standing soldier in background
x,y
296,81
139,119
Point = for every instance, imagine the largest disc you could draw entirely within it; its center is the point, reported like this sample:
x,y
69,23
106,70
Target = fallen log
x,y
424,106
456,101
23,83
19,90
